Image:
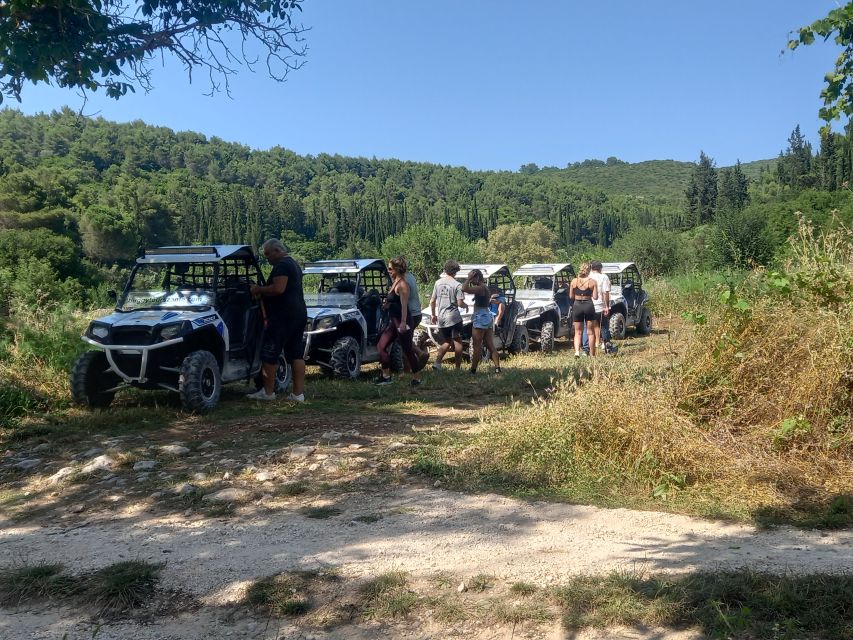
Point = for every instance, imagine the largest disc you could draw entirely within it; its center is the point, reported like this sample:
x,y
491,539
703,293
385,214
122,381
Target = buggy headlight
x,y
327,322
99,331
171,330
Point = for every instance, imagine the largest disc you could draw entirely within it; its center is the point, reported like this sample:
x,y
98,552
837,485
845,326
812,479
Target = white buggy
x,y
186,322
544,293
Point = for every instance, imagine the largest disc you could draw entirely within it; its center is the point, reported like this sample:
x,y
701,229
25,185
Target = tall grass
x,y
37,354
755,418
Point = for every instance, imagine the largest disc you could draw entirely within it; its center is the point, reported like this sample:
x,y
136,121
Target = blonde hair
x,y
583,272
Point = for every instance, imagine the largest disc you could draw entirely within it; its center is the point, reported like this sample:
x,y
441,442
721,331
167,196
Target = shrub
x,y
657,252
426,247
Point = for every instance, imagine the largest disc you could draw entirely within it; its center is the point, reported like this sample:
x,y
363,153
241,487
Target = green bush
x,y
426,247
656,251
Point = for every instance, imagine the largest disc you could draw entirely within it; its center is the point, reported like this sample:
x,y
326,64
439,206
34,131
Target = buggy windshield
x,y
330,299
170,286
534,294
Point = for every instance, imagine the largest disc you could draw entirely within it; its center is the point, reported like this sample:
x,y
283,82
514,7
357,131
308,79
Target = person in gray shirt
x,y
447,299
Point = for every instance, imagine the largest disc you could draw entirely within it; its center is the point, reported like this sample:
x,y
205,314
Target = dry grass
x,y
754,418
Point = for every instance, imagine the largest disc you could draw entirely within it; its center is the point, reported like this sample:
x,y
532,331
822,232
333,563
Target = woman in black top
x,y
397,306
482,322
583,290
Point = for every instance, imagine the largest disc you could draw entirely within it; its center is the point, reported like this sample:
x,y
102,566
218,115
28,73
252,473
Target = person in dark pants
x,y
397,306
286,316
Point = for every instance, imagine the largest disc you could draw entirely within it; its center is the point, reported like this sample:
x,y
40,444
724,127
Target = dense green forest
x,y
80,196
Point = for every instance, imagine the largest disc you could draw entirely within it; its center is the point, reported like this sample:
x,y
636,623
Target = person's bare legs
x,y
297,368
490,343
578,336
269,377
590,331
477,348
597,334
441,351
457,352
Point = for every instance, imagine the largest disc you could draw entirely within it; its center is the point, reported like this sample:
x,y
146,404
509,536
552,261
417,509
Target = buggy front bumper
x,y
130,349
308,335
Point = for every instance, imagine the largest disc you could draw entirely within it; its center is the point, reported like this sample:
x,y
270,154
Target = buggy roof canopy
x,y
615,267
343,266
488,269
542,269
208,253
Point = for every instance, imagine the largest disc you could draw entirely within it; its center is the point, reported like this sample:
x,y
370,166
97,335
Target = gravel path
x,y
423,531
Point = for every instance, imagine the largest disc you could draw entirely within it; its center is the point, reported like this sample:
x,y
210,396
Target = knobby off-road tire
x,y
644,326
283,377
617,326
546,337
346,358
200,383
90,378
520,340
396,354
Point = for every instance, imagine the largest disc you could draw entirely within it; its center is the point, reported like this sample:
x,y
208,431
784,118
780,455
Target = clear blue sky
x,y
494,84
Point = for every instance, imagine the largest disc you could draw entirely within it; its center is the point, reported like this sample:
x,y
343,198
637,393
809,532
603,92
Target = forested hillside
x,y
81,196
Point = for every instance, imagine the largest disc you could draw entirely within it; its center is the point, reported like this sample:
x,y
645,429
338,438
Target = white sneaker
x,y
436,366
294,398
261,394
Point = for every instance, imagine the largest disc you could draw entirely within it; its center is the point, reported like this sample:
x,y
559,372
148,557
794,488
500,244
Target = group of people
x,y
447,300
590,295
286,315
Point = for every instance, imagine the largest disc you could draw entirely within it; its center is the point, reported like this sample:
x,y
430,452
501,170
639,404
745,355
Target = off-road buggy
x,y
344,315
511,334
544,293
185,322
628,299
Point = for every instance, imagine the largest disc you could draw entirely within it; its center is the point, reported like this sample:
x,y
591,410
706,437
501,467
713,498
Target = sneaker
x,y
577,354
497,369
416,382
292,397
472,371
261,394
382,380
437,366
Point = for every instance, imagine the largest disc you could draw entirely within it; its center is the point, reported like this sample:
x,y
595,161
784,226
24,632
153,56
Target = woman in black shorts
x,y
583,290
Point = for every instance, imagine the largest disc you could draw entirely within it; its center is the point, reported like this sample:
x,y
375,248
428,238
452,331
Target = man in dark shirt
x,y
286,317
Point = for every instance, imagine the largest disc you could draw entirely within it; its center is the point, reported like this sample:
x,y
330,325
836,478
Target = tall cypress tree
x,y
702,192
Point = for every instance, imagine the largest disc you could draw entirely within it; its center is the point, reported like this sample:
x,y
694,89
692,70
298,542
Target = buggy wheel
x,y
520,340
617,326
396,354
92,379
546,337
346,357
283,377
200,383
644,326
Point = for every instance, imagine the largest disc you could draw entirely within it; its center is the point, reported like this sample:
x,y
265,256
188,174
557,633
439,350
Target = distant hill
x,y
657,179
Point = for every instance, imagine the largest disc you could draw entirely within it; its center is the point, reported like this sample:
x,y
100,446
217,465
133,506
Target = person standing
x,y
482,322
397,306
286,316
601,305
583,290
446,300
415,310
